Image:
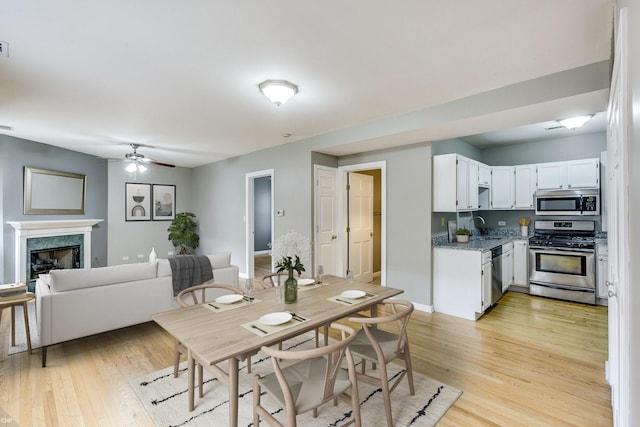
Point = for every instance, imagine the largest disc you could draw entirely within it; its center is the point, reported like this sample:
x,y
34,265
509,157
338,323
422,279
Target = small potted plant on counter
x,y
462,235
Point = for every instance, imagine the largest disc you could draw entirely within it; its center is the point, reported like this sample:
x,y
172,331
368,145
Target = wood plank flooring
x,y
529,362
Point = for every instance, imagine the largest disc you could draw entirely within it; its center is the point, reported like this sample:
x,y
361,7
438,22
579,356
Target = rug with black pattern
x,y
165,398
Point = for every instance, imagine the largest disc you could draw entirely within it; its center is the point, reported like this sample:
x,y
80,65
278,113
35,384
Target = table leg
x,y
13,326
191,378
26,326
233,392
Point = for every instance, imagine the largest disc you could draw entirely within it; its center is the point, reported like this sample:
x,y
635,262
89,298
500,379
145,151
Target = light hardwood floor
x,y
530,361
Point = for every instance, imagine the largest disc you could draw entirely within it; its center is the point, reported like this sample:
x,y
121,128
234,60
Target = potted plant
x,y
291,284
462,235
182,233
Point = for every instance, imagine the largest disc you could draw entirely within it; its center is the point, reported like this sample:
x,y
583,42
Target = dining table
x,y
213,333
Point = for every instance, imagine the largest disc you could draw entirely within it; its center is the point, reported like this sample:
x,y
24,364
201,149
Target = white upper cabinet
x,y
552,176
484,175
525,184
502,187
455,183
573,174
583,173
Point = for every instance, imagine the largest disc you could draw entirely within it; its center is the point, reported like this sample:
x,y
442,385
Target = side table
x,y
28,296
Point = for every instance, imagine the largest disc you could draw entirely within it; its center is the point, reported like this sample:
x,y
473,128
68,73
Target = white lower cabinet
x,y
521,263
602,270
507,265
462,292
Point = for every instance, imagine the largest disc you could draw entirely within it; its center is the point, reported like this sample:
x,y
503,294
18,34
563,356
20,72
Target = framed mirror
x,y
50,192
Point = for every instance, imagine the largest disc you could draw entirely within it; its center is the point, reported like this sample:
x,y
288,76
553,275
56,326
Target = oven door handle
x,y
554,249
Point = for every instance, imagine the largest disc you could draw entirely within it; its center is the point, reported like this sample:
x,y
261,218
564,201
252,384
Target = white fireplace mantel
x,y
48,228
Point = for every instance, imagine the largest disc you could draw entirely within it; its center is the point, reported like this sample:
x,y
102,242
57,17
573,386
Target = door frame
x,y
342,212
249,217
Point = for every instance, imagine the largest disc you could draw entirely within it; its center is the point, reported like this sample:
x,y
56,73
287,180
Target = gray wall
x,y
16,153
132,239
407,217
221,204
553,150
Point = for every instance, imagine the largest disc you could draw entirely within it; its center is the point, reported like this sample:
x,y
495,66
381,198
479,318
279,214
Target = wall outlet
x,y
442,222
140,256
502,222
170,253
125,258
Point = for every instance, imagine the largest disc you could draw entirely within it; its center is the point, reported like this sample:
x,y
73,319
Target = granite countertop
x,y
478,243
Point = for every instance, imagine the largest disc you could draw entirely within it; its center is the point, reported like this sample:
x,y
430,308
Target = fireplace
x,y
53,252
44,245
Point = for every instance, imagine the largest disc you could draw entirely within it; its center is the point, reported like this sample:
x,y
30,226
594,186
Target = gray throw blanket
x,y
189,270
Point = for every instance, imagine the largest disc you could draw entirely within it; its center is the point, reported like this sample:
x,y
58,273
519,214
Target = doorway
x,y
258,222
332,218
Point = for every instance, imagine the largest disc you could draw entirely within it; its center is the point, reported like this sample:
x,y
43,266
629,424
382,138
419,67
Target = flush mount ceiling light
x,y
278,91
575,122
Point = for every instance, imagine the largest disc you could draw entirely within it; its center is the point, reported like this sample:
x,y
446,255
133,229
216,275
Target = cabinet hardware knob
x,y
611,294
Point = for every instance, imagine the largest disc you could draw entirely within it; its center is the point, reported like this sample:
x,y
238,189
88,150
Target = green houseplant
x,y
183,234
462,235
291,284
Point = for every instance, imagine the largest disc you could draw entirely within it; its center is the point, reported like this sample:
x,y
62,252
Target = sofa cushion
x,y
220,260
68,279
164,268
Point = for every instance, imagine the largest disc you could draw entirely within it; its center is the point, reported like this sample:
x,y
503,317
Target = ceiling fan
x,y
138,159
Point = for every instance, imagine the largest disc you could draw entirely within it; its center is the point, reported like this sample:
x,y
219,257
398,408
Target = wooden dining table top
x,y
217,336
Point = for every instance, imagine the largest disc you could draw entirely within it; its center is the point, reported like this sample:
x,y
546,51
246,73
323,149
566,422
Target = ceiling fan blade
x,y
153,162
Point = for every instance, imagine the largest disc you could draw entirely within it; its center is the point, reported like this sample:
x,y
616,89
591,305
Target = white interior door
x,y
326,227
360,227
618,226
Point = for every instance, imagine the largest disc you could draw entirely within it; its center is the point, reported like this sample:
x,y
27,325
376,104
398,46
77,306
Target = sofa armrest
x,y
44,299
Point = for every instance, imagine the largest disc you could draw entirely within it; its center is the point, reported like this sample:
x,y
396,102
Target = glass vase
x,y
290,289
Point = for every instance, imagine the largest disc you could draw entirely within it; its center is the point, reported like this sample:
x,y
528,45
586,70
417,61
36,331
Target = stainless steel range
x,y
562,260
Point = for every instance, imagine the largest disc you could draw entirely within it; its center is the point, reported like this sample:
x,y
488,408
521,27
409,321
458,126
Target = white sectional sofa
x,y
75,303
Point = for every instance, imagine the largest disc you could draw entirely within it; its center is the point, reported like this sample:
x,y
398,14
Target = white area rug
x,y
21,339
165,399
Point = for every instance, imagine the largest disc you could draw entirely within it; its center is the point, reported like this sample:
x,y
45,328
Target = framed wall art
x,y
137,202
164,202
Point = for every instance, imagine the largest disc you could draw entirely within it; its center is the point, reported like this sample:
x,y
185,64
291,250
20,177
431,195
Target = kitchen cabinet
x,y
569,175
462,292
525,186
583,173
484,175
602,270
552,176
521,263
502,187
507,265
455,183
486,280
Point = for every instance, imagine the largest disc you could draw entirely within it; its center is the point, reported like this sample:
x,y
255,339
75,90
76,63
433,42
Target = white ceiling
x,y
181,77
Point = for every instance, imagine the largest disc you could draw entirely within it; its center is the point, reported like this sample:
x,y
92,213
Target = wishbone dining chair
x,y
381,347
314,378
196,295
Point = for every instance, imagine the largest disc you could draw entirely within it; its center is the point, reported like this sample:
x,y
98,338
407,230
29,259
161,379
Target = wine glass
x,y
320,273
248,287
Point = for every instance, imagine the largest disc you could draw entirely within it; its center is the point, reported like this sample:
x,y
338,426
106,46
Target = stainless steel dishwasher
x,y
496,274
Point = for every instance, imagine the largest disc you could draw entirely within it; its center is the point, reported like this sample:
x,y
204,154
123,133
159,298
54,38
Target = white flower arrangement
x,y
292,244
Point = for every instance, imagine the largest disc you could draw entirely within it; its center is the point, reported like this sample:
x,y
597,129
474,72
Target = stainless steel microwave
x,y
567,202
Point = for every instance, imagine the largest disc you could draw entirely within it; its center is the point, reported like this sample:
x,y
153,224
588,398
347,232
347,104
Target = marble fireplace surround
x,y
36,229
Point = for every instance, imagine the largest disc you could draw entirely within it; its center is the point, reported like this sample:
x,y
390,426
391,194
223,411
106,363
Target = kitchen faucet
x,y
484,224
